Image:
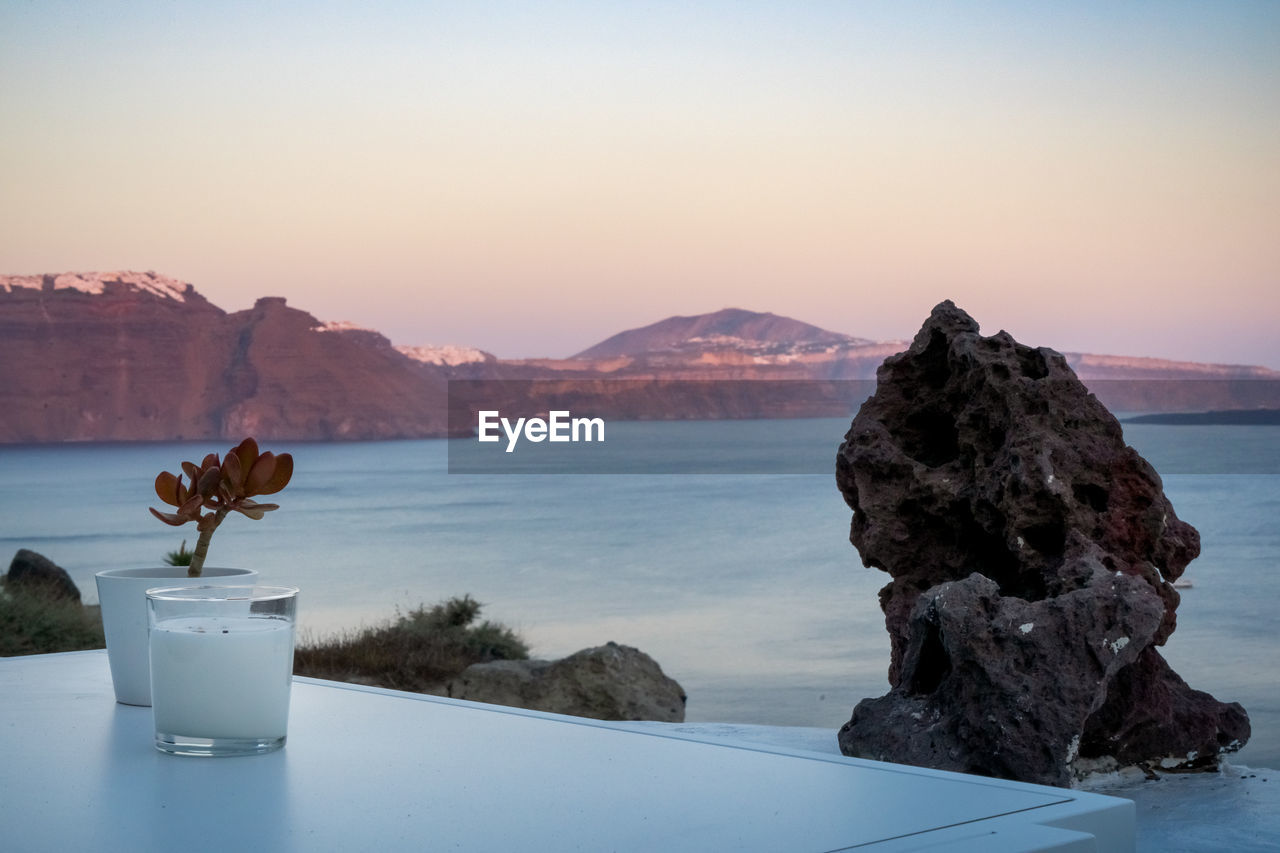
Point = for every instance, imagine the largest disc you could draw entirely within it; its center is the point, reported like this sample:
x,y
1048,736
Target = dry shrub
x,y
32,623
416,651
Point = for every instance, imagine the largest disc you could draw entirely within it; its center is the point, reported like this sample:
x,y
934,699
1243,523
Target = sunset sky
x,y
530,178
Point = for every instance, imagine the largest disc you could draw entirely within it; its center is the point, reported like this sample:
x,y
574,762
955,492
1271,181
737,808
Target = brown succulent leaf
x,y
167,488
232,473
192,472
280,476
260,474
183,494
255,513
247,450
209,480
210,461
169,517
190,508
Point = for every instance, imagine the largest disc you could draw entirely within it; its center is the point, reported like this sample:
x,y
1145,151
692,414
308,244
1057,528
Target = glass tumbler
x,y
221,667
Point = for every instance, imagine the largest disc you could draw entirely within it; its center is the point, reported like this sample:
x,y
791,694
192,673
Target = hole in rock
x,y
929,436
1014,582
932,665
1050,538
1091,495
989,555
933,361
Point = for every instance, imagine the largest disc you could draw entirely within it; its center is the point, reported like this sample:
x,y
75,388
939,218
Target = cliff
x,y
138,356
127,356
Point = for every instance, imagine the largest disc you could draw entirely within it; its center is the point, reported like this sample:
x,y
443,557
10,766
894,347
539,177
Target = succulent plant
x,y
221,486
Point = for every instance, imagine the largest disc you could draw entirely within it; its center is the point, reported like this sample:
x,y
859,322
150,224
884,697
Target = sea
x,y
731,568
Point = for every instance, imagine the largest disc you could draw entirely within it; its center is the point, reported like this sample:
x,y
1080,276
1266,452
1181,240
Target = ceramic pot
x,y
123,596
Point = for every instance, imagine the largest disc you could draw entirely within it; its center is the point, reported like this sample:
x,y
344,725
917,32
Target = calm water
x,y
743,586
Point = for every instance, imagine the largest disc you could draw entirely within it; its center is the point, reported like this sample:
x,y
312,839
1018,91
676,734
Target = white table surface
x,y
370,769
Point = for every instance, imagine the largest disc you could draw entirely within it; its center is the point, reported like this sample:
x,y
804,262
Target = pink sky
x,y
1101,177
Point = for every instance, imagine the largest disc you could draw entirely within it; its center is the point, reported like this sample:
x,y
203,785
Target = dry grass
x,y
416,651
31,623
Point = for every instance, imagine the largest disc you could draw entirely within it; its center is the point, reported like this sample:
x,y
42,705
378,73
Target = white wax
x,y
221,677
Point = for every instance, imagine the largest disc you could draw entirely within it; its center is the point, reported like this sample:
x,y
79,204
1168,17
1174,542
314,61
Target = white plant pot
x,y
123,596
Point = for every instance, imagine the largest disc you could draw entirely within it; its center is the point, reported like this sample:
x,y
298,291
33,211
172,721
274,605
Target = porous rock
x,y
37,573
609,682
1032,555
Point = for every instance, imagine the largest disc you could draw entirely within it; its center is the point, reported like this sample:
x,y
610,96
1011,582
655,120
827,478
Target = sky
x,y
531,178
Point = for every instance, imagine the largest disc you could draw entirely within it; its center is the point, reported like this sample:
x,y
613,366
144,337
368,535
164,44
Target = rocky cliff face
x,y
137,356
1032,555
107,357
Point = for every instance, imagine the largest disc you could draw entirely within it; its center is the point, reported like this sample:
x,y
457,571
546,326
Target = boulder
x,y
609,682
34,572
1032,555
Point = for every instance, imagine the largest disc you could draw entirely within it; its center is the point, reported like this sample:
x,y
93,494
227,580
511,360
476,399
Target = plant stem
x,y
202,544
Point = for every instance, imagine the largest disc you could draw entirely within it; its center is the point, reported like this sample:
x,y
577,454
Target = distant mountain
x,y
127,356
137,356
686,367
730,328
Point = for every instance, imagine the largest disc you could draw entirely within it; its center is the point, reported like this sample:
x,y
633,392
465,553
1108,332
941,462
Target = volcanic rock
x,y
609,682
37,573
1032,556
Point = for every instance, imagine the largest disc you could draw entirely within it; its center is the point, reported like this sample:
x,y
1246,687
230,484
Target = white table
x,y
370,769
